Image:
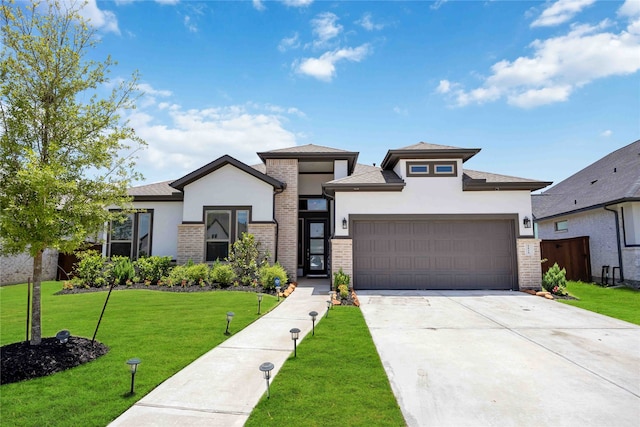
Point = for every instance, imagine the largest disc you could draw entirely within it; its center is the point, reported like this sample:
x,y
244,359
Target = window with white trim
x,y
561,226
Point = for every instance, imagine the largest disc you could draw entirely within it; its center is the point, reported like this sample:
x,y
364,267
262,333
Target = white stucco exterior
x,y
311,184
228,186
164,235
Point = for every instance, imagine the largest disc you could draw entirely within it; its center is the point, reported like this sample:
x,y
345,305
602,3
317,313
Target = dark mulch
x,y
21,361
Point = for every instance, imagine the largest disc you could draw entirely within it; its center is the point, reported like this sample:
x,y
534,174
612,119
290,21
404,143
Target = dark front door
x,y
315,239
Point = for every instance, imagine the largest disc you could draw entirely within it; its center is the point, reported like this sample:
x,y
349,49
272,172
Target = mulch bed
x,y
21,361
176,288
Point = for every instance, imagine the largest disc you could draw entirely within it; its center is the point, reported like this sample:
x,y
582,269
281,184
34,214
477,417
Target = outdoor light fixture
x,y
295,333
277,283
63,336
266,369
259,301
229,317
313,315
344,223
526,222
329,304
133,366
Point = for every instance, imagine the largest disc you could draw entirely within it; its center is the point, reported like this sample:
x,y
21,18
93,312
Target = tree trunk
x,y
36,329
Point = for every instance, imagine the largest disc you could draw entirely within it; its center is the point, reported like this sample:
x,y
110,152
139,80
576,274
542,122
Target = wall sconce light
x,y
295,333
133,366
266,369
344,223
526,222
230,315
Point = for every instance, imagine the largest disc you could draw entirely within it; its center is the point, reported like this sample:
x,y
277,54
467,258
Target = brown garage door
x,y
434,254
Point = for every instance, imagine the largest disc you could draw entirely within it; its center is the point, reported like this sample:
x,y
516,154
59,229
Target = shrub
x,y
269,273
222,273
122,270
177,275
341,278
555,280
91,269
245,258
197,272
343,290
153,268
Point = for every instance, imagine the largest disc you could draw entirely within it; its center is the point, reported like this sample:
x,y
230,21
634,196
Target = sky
x,y
543,88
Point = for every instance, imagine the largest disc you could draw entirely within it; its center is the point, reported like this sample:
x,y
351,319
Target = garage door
x,y
434,254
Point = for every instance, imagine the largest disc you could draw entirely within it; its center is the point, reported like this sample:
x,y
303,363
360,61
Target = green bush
x,y
343,290
555,280
122,270
91,269
153,268
245,259
198,272
177,275
341,278
269,273
222,274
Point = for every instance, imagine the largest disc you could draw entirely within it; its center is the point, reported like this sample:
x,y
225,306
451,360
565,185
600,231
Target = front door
x,y
315,247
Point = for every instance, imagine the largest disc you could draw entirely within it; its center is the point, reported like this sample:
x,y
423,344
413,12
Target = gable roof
x,y
311,152
486,181
615,178
156,192
424,150
217,164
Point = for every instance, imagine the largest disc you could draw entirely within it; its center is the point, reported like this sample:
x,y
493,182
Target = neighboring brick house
x,y
420,221
602,201
18,268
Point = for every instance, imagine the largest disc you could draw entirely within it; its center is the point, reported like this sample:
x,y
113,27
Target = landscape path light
x,y
259,301
266,369
329,304
133,366
229,317
295,333
277,283
313,315
63,336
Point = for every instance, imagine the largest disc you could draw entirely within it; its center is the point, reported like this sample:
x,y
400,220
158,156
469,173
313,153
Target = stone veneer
x,y
18,268
342,257
286,213
190,243
265,233
529,265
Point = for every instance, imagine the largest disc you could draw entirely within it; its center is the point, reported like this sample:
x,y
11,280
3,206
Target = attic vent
x,y
594,181
575,202
615,170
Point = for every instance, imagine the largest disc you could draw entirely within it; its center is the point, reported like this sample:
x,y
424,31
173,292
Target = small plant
x,y
68,285
177,275
555,280
153,268
222,274
268,275
245,258
122,270
343,290
197,272
341,278
90,268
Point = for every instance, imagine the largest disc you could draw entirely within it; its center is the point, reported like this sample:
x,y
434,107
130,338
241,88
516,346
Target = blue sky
x,y
543,88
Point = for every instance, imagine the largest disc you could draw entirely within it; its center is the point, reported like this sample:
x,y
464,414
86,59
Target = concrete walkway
x,y
222,387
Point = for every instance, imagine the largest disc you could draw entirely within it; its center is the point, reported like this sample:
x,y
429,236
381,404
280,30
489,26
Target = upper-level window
x,y
131,238
561,225
312,204
223,226
432,168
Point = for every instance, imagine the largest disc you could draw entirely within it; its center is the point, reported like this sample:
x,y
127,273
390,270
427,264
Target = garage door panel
x,y
423,254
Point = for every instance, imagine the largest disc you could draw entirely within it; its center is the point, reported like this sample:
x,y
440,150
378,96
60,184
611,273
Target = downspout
x,y
276,192
615,212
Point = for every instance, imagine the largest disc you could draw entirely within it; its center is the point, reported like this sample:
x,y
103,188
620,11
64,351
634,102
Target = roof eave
x,y
483,185
174,197
332,188
392,157
350,156
587,208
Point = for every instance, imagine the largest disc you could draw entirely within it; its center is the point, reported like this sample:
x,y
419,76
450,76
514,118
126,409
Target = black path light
x,y
133,366
259,301
313,315
295,333
230,315
329,304
63,336
266,369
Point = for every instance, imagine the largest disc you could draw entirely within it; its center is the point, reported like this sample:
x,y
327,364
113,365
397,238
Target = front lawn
x,y
165,330
621,303
336,380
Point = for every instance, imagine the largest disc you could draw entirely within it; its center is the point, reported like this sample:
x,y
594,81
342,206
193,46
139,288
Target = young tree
x,y
63,144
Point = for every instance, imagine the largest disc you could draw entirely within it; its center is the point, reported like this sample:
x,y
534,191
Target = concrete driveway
x,y
504,359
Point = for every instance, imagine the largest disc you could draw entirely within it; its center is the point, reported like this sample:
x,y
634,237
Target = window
x,y
431,169
312,204
223,226
131,238
561,225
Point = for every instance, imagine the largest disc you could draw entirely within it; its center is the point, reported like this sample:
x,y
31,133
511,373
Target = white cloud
x,y
560,12
102,19
297,3
630,8
192,27
288,43
323,68
191,138
400,111
437,4
258,5
557,67
367,23
324,27
607,133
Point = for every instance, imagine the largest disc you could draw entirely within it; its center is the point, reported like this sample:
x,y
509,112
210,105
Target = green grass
x,y
621,303
336,380
165,330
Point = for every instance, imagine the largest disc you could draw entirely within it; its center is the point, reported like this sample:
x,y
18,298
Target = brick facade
x,y
529,265
342,257
190,243
18,268
286,213
266,235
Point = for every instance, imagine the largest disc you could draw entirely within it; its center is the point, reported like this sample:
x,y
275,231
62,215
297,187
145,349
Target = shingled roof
x,y
424,150
373,179
486,181
313,153
157,191
615,178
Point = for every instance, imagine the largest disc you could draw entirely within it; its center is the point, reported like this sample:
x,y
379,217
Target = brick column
x,y
342,257
286,213
529,265
190,243
266,235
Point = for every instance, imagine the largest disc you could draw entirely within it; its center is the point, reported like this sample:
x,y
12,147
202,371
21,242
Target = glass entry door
x,y
316,247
